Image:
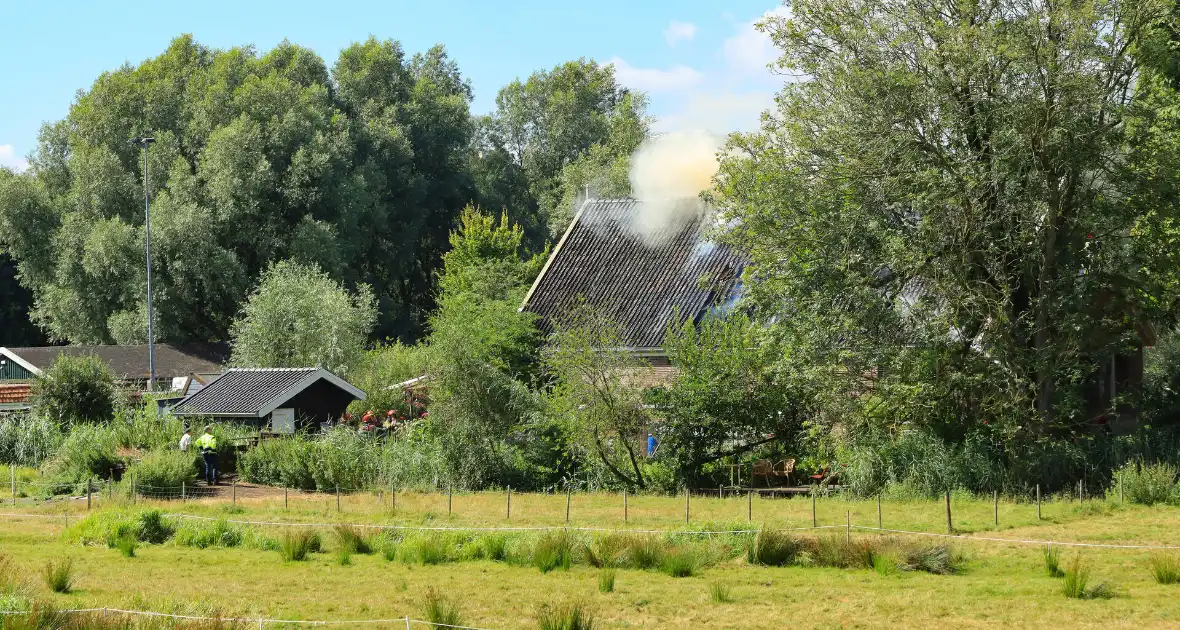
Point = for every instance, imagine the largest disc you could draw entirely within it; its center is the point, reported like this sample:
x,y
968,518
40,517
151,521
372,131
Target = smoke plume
x,y
668,173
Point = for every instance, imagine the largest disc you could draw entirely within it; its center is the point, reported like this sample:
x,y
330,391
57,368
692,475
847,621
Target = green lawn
x,y
1003,585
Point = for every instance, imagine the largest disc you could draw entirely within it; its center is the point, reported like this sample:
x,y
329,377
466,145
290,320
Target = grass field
x,y
1001,584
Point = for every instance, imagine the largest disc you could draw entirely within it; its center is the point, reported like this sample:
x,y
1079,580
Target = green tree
x,y
941,212
75,390
300,317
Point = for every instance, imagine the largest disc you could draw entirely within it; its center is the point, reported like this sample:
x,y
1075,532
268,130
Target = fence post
x,y
950,529
996,505
337,497
508,509
407,622
182,492
625,504
285,504
749,506
880,521
847,525
687,500
393,499
1120,487
87,494
234,491
719,490
568,490
813,521
1038,501
450,498
12,475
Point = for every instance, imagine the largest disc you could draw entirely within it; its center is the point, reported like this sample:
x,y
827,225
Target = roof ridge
x,y
272,369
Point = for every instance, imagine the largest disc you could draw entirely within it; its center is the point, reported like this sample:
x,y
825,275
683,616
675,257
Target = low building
x,y
278,400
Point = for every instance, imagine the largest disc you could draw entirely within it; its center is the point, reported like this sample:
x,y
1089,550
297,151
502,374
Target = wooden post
x,y
996,506
1038,501
286,503
814,523
719,491
234,491
87,495
847,525
625,505
1080,498
182,493
567,504
880,521
508,509
12,475
337,497
687,500
450,498
749,506
950,528
393,499
1120,487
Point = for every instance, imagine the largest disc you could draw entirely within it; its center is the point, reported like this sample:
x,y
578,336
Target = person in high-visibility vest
x,y
208,445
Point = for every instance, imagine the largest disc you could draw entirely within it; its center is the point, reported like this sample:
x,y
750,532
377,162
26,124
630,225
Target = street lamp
x,y
144,141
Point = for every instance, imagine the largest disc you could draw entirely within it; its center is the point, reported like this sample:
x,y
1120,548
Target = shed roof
x,y
126,362
255,392
640,283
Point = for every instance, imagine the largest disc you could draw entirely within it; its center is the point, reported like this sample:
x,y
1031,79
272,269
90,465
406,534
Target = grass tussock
x,y
343,557
1052,556
720,592
494,547
681,562
607,551
296,546
59,576
127,546
154,528
1165,568
773,548
574,616
440,609
645,552
353,539
606,581
430,549
205,534
1076,584
555,550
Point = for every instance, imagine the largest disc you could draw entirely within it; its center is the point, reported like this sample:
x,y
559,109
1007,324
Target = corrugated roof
x,y
254,391
13,393
126,362
638,282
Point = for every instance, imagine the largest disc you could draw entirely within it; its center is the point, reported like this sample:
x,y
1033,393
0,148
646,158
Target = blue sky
x,y
701,61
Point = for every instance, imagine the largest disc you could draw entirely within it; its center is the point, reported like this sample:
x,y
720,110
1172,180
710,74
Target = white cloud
x,y
9,158
750,51
679,31
655,79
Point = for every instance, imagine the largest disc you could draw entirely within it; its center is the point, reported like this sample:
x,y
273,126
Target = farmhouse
x,y
275,399
639,273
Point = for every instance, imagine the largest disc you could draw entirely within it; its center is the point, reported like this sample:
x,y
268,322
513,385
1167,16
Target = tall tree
x,y
942,207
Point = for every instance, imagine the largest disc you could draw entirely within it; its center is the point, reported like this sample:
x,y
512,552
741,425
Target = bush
x,y
59,576
554,550
568,617
680,563
75,390
606,581
720,592
1165,568
1076,582
353,540
162,472
295,546
439,609
773,548
1148,484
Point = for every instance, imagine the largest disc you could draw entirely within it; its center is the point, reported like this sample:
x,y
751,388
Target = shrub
x,y
1076,582
1052,557
554,550
75,390
645,552
439,609
127,545
1148,484
773,548
1165,568
681,562
353,540
567,617
295,546
606,581
162,472
59,576
720,592
153,528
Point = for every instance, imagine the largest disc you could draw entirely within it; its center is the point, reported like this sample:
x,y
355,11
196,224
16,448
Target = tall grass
x,y
1148,484
555,550
773,548
59,576
1076,584
608,550
1165,568
353,539
164,471
430,549
606,581
153,528
680,562
439,609
645,551
204,534
574,616
295,546
127,545
1052,556
720,592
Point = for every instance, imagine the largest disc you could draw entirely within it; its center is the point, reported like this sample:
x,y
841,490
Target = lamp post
x,y
144,141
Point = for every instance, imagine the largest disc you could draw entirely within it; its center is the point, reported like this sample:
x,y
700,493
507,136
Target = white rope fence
x,y
261,621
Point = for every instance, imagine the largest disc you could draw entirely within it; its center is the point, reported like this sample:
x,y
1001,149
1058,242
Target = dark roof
x,y
126,362
256,392
639,283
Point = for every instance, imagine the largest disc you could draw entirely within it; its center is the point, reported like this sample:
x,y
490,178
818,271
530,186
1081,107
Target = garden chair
x,y
784,469
764,469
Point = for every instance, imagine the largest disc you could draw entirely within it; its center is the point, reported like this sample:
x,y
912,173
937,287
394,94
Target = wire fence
x,y
262,622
